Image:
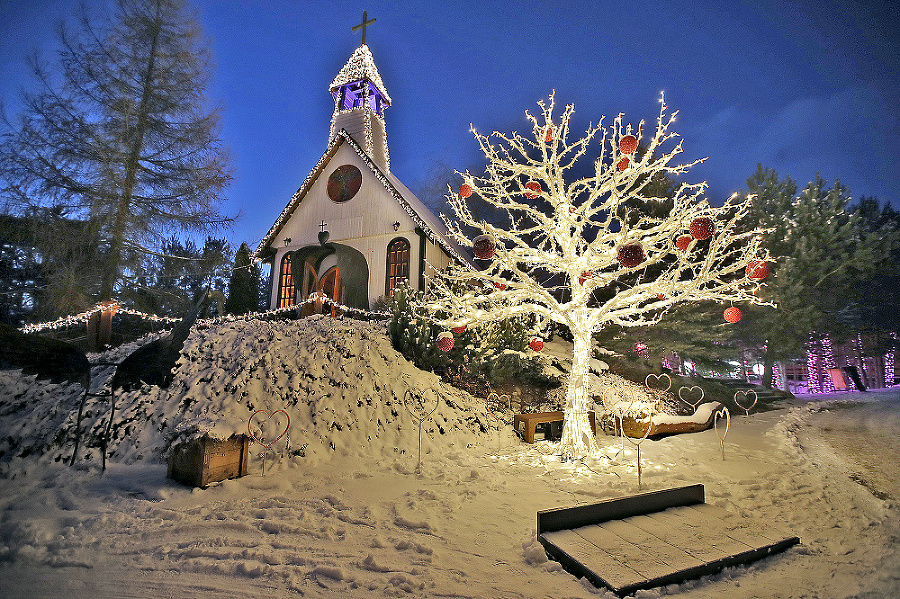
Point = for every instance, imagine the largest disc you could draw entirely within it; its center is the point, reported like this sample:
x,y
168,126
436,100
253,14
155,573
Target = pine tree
x,y
578,253
820,252
124,142
244,284
877,311
171,281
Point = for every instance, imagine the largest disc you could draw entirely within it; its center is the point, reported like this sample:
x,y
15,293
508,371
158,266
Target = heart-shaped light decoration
x,y
745,395
495,404
645,418
690,391
418,406
725,415
657,378
259,421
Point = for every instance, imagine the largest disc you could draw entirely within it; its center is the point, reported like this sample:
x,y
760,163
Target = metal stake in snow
x,y
264,419
726,415
415,405
637,443
498,404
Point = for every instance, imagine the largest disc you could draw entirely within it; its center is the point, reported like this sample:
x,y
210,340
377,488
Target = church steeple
x,y
359,103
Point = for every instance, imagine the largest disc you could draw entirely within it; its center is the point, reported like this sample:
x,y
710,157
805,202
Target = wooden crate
x,y
209,460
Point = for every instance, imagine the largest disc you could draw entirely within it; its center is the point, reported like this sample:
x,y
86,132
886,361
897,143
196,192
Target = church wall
x,y
365,222
436,259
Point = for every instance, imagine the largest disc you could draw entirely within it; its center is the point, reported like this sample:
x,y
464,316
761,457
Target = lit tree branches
x,y
581,253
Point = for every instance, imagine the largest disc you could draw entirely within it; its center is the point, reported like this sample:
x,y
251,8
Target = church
x,y
352,232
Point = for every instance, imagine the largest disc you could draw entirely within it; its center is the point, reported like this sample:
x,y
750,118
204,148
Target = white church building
x,y
353,231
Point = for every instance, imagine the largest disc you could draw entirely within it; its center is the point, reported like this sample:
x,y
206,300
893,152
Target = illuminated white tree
x,y
580,253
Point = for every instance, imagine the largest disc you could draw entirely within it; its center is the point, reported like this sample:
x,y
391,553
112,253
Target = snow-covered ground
x,y
359,521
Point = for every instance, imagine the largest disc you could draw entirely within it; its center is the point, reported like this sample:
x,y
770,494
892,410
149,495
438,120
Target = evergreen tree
x,y
172,280
124,142
877,310
244,284
820,251
693,331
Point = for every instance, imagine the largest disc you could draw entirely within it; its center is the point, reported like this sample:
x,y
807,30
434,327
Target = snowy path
x,y
860,432
463,528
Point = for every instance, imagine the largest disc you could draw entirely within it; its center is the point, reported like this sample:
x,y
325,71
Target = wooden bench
x,y
531,421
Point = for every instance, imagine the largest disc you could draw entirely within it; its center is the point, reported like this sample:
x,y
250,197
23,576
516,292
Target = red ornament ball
x,y
459,330
683,242
536,344
548,137
630,255
702,228
534,186
732,314
757,270
484,247
628,144
445,341
623,164
584,277
465,190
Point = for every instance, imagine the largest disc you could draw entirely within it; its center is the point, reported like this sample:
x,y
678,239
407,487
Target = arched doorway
x,y
335,271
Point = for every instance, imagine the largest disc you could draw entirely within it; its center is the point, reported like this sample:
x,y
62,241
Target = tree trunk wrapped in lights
x,y
593,251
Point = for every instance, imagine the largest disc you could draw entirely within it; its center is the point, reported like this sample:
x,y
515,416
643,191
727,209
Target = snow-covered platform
x,y
653,539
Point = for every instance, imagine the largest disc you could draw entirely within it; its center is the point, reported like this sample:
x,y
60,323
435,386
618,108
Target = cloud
x,y
850,134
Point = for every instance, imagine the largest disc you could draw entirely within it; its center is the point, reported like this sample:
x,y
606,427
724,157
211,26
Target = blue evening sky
x,y
803,87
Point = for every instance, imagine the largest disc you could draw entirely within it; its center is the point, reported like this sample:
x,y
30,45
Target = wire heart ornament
x,y
746,396
657,378
261,422
691,390
648,418
725,415
416,405
496,404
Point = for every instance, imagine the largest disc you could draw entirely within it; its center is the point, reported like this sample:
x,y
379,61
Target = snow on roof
x,y
360,66
433,227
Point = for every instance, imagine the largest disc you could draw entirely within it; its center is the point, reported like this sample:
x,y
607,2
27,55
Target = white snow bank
x,y
703,413
340,381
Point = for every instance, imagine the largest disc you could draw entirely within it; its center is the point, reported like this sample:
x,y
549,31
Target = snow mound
x,y
340,381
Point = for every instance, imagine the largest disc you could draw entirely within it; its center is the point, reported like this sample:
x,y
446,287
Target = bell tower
x,y
359,102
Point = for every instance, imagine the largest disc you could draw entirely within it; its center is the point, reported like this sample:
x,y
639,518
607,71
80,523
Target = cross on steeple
x,y
363,26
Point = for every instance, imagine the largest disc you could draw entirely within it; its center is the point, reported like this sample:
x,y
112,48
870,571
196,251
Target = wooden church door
x,y
328,285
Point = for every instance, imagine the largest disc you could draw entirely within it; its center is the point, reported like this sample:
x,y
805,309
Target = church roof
x,y
360,66
433,226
